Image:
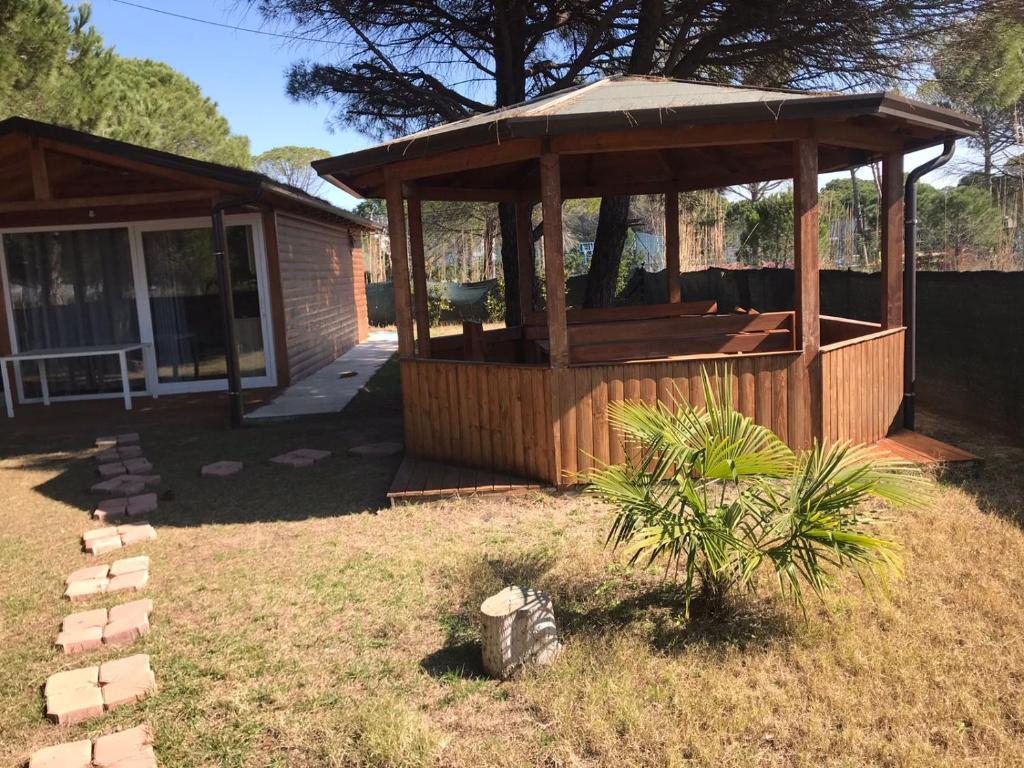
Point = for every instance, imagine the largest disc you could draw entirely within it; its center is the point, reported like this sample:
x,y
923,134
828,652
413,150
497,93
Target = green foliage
x,y
762,231
53,65
958,219
291,165
55,68
438,304
154,105
716,496
495,302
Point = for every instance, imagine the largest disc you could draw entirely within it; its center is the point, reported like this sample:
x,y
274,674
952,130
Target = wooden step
x,y
421,480
921,449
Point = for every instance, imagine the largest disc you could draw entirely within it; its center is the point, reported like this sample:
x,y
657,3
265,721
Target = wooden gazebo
x,y
531,400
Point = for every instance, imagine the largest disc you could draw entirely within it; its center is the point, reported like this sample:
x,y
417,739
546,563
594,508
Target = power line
x,y
250,30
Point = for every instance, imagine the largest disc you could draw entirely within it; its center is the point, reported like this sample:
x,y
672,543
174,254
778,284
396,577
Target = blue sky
x,y
245,74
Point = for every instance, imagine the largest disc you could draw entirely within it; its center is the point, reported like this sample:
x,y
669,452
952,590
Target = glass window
x,y
73,289
184,298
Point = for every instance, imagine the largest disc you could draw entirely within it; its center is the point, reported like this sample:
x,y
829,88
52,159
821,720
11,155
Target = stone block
x,y
74,754
80,639
132,748
129,582
142,504
221,469
129,565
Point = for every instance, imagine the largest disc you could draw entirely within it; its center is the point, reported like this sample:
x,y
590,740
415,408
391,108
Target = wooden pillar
x,y
524,252
554,259
672,246
891,214
805,391
399,266
419,276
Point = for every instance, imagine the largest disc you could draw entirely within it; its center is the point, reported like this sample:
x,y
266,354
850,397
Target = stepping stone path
x,y
117,441
119,454
82,694
300,457
127,506
376,450
137,466
132,748
221,469
126,485
130,574
102,540
89,630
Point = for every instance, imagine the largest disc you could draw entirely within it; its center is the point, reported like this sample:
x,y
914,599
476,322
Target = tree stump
x,y
517,627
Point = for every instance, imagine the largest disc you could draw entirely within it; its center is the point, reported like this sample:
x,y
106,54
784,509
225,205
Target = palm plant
x,y
716,496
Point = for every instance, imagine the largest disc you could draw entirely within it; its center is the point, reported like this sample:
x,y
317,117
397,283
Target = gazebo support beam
x,y
399,266
554,258
892,240
524,254
672,246
805,394
419,275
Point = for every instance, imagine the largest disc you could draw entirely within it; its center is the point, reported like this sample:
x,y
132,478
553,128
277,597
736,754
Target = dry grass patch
x,y
293,629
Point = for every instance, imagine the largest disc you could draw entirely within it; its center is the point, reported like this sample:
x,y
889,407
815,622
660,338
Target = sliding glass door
x,y
154,283
185,303
72,288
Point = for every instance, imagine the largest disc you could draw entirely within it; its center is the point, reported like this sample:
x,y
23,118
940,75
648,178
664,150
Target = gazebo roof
x,y
633,105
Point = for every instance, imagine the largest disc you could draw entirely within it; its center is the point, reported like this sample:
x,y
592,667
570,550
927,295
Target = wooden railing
x,y
760,388
479,415
861,387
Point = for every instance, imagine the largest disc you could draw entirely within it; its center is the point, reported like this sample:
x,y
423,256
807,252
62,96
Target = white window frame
x,y
155,388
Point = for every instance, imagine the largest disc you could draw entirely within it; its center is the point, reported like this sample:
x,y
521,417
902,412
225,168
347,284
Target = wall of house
x,y
323,295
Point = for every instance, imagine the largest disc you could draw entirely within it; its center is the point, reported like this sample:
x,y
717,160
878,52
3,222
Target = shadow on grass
x,y
593,610
338,485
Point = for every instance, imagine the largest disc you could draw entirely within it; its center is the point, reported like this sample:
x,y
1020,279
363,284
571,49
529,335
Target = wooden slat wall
x,y
323,291
486,416
862,387
760,386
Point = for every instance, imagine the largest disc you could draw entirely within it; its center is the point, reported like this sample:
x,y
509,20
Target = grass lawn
x,y
299,622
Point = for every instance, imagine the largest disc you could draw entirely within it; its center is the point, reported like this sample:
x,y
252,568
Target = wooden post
x,y
524,252
419,276
805,394
399,266
517,627
892,240
554,264
672,246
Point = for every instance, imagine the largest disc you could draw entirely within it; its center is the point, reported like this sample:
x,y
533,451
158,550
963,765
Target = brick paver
x,y
130,574
89,630
109,510
81,694
119,454
128,438
131,748
221,469
126,485
75,754
301,457
102,540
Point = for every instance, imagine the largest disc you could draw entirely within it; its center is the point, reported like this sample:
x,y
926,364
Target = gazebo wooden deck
x,y
531,400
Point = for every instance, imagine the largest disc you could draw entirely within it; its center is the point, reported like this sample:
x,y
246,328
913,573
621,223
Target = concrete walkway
x,y
325,391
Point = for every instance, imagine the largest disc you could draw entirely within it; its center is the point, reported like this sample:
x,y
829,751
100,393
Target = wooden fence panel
x,y
583,392
862,387
485,416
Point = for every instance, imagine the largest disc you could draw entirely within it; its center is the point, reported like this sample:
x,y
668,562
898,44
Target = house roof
x,y
247,181
627,102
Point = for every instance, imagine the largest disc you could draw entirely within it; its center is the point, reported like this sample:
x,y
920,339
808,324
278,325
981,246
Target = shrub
x,y
716,496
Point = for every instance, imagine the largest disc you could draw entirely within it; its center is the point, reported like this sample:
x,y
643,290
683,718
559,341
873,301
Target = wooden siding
x,y
323,293
760,387
479,415
862,387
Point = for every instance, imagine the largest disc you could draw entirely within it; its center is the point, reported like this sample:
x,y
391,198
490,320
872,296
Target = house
x,y
109,280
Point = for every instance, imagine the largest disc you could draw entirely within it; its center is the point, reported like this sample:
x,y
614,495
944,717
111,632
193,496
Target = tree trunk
x,y
603,275
860,240
510,263
517,627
